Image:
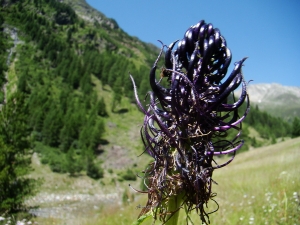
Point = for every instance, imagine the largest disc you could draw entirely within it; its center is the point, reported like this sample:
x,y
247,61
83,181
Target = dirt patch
x,y
117,158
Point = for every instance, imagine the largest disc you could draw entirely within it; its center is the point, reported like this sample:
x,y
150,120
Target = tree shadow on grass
x,y
103,142
121,111
99,150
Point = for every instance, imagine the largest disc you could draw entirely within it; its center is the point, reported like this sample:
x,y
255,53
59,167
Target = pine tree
x,y
51,127
101,108
73,162
22,82
86,84
15,155
92,170
117,95
296,127
97,133
73,121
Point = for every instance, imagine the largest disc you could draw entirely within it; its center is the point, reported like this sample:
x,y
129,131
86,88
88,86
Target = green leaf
x,y
143,218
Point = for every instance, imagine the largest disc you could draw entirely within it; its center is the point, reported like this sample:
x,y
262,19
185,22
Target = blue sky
x,y
267,31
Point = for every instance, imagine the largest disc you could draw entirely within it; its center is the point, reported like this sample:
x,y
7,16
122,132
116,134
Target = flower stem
x,y
173,206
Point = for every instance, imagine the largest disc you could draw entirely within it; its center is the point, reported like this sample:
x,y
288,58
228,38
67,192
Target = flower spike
x,y
189,130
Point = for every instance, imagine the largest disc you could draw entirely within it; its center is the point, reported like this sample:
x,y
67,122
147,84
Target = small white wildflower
x,y
2,218
241,218
268,194
245,196
251,220
295,196
283,173
273,206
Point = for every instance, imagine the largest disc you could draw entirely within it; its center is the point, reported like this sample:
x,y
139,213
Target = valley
x,y
68,104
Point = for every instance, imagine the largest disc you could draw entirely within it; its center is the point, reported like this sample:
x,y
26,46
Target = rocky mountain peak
x,y
273,93
277,99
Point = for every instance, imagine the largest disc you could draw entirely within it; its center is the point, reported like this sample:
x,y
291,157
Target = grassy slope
x,y
120,152
122,133
261,186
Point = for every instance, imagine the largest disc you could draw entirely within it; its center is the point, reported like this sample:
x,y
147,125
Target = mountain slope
x,y
74,75
72,64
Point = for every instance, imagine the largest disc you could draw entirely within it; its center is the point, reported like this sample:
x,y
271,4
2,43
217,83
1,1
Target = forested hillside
x,y
55,64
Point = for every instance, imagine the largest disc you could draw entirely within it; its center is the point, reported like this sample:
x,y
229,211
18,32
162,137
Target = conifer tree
x,y
296,127
52,125
22,82
73,162
117,95
92,170
101,108
15,155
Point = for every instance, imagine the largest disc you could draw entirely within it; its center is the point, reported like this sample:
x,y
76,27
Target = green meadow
x,y
261,186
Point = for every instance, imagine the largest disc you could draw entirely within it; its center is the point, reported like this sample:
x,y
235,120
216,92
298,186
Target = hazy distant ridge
x,y
278,100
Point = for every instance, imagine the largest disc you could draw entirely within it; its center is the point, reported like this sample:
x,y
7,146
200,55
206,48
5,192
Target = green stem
x,y
173,205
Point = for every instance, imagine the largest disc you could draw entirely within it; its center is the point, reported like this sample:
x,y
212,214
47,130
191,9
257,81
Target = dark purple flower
x,y
186,122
